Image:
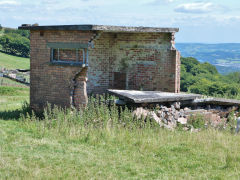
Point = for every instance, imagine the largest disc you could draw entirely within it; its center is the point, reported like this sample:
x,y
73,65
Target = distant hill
x,y
226,57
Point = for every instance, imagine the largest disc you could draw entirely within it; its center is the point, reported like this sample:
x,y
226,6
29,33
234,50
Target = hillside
x,y
15,42
226,57
13,62
203,78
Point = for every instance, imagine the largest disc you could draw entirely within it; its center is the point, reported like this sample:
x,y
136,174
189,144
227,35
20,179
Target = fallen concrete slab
x,y
134,96
217,101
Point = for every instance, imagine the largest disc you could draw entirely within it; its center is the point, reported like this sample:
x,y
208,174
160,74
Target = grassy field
x,y
101,144
95,145
13,62
8,82
122,154
12,98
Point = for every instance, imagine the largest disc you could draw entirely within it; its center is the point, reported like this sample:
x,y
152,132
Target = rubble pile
x,y
174,116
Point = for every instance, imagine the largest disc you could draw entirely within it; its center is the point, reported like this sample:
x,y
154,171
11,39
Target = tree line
x,y
15,42
203,78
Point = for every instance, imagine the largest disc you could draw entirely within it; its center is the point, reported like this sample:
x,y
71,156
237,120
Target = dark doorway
x,y
119,80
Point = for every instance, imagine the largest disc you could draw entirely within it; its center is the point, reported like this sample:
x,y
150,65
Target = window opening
x,y
69,53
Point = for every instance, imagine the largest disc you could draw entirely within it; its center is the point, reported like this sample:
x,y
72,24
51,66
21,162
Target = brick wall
x,y
52,83
146,61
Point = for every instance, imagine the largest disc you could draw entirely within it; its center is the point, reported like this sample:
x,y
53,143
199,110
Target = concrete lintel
x,y
67,64
64,45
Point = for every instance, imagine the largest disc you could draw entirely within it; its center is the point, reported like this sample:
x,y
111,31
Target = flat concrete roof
x,y
104,28
152,96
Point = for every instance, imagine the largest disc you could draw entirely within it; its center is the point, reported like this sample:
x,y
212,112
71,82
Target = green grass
x,y
13,62
8,82
96,144
13,91
12,98
117,154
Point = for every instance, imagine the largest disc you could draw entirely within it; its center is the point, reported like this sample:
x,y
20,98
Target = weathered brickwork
x,y
53,83
148,59
139,61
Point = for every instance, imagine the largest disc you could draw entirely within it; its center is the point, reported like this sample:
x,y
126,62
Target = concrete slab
x,y
152,96
218,101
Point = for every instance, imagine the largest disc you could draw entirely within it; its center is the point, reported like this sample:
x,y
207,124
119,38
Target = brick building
x,y
70,61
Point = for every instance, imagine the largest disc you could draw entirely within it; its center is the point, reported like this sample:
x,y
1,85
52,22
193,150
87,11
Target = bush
x,y
23,33
15,44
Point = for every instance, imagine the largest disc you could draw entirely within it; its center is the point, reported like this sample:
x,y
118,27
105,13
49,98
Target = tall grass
x,y
107,142
73,123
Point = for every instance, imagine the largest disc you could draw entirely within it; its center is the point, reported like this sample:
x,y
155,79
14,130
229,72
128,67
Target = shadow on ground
x,y
11,114
16,113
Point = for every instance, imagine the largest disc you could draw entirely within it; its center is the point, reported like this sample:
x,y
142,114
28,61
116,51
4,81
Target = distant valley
x,y
226,57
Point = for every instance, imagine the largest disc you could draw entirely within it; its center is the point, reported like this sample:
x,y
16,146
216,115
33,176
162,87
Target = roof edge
x,y
103,28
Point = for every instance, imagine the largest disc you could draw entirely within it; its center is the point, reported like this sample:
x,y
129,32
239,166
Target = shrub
x,y
24,33
15,43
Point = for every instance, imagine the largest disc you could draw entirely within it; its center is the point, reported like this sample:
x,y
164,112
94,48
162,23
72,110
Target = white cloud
x,y
198,7
206,20
157,2
8,3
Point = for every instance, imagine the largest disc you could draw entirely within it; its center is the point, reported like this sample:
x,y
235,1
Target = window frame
x,y
72,46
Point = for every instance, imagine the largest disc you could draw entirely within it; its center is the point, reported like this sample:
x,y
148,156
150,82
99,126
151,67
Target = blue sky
x,y
206,21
